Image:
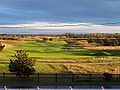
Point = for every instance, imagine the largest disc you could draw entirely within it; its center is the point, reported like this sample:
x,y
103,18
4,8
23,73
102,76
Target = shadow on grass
x,y
60,79
92,53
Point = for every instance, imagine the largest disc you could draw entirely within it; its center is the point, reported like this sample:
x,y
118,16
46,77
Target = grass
x,y
4,68
54,51
94,68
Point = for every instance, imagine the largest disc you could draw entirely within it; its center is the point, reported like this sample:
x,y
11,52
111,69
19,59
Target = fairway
x,y
55,52
49,50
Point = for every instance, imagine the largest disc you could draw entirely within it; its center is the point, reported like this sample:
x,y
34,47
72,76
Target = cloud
x,y
57,28
60,10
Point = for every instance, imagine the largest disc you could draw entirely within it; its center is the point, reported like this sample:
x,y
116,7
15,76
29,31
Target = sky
x,y
64,11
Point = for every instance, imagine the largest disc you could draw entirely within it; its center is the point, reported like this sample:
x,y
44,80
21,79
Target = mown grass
x,y
51,50
55,51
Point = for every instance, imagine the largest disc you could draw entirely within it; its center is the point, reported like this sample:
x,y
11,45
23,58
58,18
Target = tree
x,y
22,65
45,39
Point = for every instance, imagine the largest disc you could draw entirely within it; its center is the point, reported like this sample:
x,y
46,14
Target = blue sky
x,y
88,11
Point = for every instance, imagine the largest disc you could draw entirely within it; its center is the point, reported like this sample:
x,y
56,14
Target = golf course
x,y
60,57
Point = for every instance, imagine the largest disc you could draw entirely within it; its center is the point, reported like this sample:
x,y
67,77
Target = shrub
x,y
22,65
108,76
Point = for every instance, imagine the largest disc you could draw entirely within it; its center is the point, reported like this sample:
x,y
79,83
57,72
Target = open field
x,y
53,57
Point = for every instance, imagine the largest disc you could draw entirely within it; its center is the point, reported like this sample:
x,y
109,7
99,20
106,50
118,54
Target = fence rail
x,y
10,79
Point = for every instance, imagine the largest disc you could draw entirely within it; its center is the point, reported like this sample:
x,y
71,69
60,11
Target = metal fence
x,y
62,79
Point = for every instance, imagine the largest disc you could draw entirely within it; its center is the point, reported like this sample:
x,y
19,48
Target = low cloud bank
x,y
86,27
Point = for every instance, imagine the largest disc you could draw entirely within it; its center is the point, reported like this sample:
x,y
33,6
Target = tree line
x,y
92,35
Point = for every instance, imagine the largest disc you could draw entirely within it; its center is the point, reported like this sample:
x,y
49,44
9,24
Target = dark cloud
x,y
60,10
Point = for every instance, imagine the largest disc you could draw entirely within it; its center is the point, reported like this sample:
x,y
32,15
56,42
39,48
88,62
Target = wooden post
x,y
72,77
119,76
3,78
38,77
56,77
90,77
56,80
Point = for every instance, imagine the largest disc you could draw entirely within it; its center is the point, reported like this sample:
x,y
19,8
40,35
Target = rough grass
x,y
49,68
3,68
75,68
104,48
96,69
82,60
78,68
12,43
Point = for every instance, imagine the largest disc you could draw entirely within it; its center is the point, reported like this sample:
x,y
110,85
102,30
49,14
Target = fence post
x,y
56,77
38,77
3,78
90,76
72,77
56,80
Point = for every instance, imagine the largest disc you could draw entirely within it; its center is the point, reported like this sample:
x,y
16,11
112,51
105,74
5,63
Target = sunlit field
x,y
49,50
55,57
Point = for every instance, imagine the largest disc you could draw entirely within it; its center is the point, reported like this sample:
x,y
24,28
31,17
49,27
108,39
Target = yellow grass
x,y
104,48
12,43
85,60
94,69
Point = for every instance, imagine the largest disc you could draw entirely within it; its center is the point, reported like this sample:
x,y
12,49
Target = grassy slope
x,y
48,50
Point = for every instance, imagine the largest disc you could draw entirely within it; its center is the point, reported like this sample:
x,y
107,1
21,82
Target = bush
x,y
44,39
22,65
108,76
